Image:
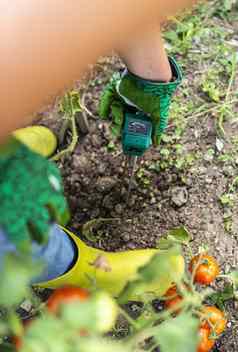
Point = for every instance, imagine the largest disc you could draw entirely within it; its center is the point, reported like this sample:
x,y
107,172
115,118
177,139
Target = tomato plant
x,y
205,268
75,319
214,319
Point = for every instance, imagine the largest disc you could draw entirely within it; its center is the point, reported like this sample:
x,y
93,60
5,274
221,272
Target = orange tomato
x,y
205,344
216,318
206,271
66,295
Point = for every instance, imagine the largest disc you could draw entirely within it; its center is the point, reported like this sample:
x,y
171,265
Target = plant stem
x,y
73,143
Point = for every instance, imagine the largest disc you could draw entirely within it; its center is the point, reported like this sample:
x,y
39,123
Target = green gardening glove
x,y
31,195
153,98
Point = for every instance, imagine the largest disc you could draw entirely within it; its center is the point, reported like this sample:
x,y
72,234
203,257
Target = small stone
x,y
219,144
96,140
132,201
127,237
105,184
153,201
235,304
120,171
118,209
209,155
95,213
202,170
80,162
106,132
227,268
101,169
131,245
174,178
208,180
108,202
196,134
228,170
179,196
133,184
85,181
169,179
123,191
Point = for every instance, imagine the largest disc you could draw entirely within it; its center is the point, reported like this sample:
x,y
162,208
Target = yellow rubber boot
x,y
119,268
39,139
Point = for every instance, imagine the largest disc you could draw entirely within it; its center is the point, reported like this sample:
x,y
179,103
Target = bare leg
x,y
46,45
145,56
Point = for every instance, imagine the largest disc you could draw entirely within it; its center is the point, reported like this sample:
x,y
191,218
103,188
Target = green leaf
x,y
111,146
233,276
165,152
219,298
14,323
115,130
4,329
47,333
117,113
227,199
180,235
102,345
163,269
16,275
178,334
70,103
159,265
164,243
6,348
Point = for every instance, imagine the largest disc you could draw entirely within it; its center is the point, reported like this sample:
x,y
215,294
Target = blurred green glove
x,y
31,195
151,97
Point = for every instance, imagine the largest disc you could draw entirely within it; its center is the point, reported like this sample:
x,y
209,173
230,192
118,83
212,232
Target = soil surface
x,y
177,184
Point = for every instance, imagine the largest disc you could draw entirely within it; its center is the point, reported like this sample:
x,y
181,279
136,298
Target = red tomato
x,y
66,295
206,271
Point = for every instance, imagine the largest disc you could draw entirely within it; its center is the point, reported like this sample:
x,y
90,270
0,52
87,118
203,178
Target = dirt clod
x,y
105,184
179,196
